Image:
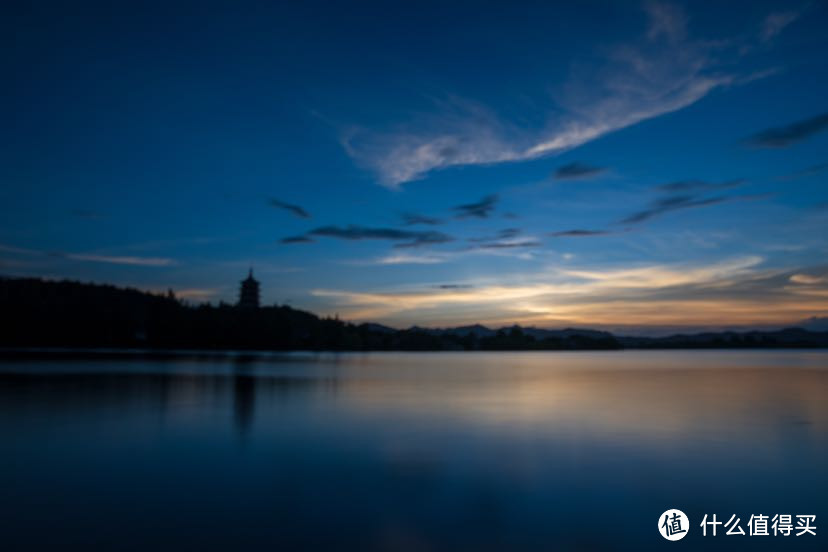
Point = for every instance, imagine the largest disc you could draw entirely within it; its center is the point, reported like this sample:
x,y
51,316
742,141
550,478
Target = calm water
x,y
458,451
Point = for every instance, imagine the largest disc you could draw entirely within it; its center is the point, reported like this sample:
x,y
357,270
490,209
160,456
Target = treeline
x,y
40,313
789,338
512,339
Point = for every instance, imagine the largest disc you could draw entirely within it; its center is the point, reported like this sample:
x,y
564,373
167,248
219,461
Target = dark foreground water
x,y
461,451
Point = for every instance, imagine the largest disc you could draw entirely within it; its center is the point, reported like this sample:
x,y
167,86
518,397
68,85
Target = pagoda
x,y
249,292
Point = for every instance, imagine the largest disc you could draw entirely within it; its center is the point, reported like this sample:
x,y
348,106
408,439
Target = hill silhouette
x,y
65,314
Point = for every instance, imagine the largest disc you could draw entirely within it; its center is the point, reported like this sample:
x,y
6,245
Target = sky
x,y
641,167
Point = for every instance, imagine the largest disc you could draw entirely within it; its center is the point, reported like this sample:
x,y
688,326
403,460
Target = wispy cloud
x,y
405,238
575,283
512,249
504,234
699,185
663,276
510,244
296,239
788,135
92,257
508,238
405,259
579,233
663,71
410,219
727,292
809,279
775,22
295,209
110,259
666,21
578,171
480,209
673,203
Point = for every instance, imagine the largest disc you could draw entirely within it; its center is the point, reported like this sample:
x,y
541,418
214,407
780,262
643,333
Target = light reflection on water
x,y
561,451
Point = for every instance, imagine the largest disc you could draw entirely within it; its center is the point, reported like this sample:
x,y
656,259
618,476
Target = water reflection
x,y
244,393
418,451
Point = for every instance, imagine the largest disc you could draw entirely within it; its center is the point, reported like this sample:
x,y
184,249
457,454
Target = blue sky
x,y
639,166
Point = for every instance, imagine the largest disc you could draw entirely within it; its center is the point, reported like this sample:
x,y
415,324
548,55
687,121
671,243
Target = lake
x,y
411,451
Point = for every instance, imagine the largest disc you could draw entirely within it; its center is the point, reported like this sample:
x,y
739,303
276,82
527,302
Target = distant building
x,y
249,292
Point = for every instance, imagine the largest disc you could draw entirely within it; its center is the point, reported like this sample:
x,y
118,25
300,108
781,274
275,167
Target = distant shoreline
x,y
64,319
59,353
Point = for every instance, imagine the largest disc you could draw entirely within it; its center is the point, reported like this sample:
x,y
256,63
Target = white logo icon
x,y
673,525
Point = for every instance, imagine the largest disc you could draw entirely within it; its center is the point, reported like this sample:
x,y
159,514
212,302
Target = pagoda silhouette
x,y
249,292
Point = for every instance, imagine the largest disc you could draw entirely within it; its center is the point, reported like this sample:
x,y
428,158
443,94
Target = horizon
x,y
656,166
814,324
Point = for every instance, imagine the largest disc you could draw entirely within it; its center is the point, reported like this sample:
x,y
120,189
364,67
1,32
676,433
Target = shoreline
x,y
61,353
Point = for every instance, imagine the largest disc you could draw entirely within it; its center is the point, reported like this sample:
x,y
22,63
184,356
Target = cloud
x,y
579,233
504,234
508,233
788,135
699,185
513,250
481,209
662,71
454,286
667,21
410,219
426,259
673,203
774,23
808,279
508,238
663,276
573,171
407,237
510,244
134,261
730,291
296,239
92,257
727,291
295,209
